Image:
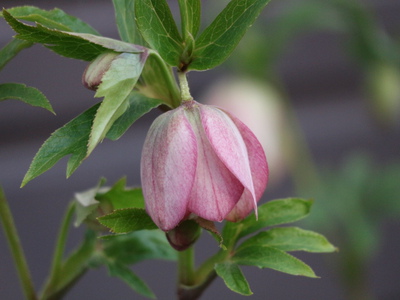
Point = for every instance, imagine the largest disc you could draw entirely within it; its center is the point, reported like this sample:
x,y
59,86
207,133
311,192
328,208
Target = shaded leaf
x,y
269,257
211,228
290,239
82,46
127,220
117,83
219,39
233,278
10,50
158,28
24,93
124,273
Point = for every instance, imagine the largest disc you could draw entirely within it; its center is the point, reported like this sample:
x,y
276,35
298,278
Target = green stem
x,y
186,267
16,248
184,85
59,250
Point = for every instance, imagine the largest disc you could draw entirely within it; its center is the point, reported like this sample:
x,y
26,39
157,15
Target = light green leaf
x,y
233,278
55,19
125,18
138,246
72,138
190,17
158,28
269,257
219,39
290,239
121,196
124,273
127,220
24,93
82,46
138,105
10,50
117,83
276,212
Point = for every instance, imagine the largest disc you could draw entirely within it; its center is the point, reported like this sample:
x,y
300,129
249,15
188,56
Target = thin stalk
x,y
16,248
186,273
184,85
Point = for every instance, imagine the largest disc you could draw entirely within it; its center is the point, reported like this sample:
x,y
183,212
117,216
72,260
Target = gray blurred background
x,y
323,84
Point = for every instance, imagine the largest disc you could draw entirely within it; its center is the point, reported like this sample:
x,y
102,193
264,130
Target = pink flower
x,y
200,160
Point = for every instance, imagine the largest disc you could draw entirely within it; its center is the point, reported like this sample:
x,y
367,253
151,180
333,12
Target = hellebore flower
x,y
200,160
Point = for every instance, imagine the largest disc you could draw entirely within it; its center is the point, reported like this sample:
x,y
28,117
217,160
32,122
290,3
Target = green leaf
x,y
24,93
72,138
10,50
122,197
124,273
55,19
82,46
233,278
138,246
212,229
127,220
190,17
158,28
125,19
276,212
290,239
219,39
117,83
138,105
269,257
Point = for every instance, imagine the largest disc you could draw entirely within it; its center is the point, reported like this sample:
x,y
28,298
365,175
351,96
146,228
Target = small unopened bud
x,y
95,71
184,235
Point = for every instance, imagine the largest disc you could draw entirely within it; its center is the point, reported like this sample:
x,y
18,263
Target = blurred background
x,y
318,82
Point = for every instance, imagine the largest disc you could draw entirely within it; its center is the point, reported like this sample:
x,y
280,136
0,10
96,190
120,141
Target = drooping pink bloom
x,y
199,159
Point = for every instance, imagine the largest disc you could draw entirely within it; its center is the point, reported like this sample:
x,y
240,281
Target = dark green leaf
x,y
158,28
276,212
24,93
122,197
219,39
138,105
117,83
190,17
10,50
127,220
124,273
125,18
82,46
269,257
290,239
54,19
233,278
72,138
138,246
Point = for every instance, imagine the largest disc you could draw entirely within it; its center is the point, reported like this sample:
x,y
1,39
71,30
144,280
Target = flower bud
x,y
184,235
95,71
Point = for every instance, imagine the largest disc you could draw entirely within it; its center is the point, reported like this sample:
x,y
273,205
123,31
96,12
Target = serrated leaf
x,y
55,19
138,105
117,83
127,220
125,19
82,46
269,257
276,212
233,278
124,273
158,28
10,50
290,239
72,139
212,229
122,197
138,246
219,39
24,93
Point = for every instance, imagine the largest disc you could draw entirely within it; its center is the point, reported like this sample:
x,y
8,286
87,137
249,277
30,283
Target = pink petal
x,y
229,145
216,189
259,173
168,168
